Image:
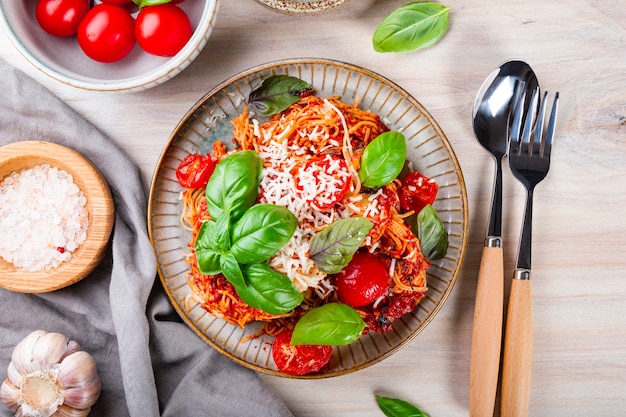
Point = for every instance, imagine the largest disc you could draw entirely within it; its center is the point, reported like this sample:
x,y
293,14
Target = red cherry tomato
x,y
107,33
417,191
363,280
300,359
116,1
163,30
61,17
195,170
323,181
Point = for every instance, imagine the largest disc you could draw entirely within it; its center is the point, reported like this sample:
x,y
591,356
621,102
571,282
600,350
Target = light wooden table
x,y
579,268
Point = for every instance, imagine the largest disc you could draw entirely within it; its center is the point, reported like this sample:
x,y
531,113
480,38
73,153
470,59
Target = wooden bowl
x,y
100,209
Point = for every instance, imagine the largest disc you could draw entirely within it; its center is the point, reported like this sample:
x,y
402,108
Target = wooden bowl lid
x,y
100,207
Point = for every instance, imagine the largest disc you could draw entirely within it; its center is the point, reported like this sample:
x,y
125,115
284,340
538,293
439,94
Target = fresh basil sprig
x,y
383,159
276,93
411,27
330,324
242,236
332,248
431,233
393,407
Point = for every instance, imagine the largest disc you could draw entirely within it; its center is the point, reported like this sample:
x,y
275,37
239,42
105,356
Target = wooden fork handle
x,y
487,333
517,361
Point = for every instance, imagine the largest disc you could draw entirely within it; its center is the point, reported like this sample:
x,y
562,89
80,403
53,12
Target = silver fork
x,y
529,160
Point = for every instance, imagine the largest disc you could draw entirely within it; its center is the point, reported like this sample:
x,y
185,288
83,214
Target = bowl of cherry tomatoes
x,y
109,45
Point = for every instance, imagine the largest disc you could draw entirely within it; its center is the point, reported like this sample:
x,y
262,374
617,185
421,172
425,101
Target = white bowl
x,y
63,60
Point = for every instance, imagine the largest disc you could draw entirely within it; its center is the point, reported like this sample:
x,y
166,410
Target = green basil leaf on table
x,y
330,324
411,27
268,290
332,248
234,185
393,407
207,251
431,233
232,270
383,159
261,232
276,93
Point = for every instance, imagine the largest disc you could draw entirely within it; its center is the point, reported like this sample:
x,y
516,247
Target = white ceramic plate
x,y
210,120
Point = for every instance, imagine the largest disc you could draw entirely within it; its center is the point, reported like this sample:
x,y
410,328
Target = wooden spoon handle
x,y
487,333
517,360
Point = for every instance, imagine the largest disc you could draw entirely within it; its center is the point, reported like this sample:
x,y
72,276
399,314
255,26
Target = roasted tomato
x,y
300,359
363,280
417,191
195,170
323,181
163,30
61,17
107,33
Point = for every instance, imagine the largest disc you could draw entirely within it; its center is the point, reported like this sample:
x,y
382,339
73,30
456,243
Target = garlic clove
x,y
66,411
14,375
52,348
84,396
22,357
76,368
10,394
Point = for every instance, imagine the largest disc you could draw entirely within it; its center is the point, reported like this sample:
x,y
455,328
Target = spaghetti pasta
x,y
311,156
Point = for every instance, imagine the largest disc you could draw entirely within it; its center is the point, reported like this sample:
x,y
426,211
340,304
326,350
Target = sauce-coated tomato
x,y
195,170
417,191
107,33
163,30
363,280
300,359
323,181
61,17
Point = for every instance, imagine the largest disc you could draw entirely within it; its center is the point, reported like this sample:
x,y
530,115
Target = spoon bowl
x,y
497,99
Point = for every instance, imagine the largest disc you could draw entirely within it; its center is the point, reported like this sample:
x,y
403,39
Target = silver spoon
x,y
493,108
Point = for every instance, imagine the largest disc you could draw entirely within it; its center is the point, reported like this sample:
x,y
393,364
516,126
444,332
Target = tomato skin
x,y
417,191
195,170
107,34
61,17
116,1
331,166
163,30
300,359
363,280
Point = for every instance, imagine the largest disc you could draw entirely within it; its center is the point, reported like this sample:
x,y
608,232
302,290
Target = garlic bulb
x,y
50,376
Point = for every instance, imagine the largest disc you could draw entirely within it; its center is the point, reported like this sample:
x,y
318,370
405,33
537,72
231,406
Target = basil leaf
x,y
393,407
411,27
232,270
332,248
431,233
276,93
383,159
207,251
222,231
234,185
330,324
268,290
261,232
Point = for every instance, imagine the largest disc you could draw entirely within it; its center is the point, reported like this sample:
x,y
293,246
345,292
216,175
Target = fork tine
x,y
516,124
526,145
551,127
537,144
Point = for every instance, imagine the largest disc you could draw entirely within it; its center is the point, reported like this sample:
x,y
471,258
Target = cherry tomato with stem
x,y
323,181
61,17
107,33
163,30
363,280
417,191
195,170
299,359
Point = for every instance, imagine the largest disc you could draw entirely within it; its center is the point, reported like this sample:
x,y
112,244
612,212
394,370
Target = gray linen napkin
x,y
149,362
